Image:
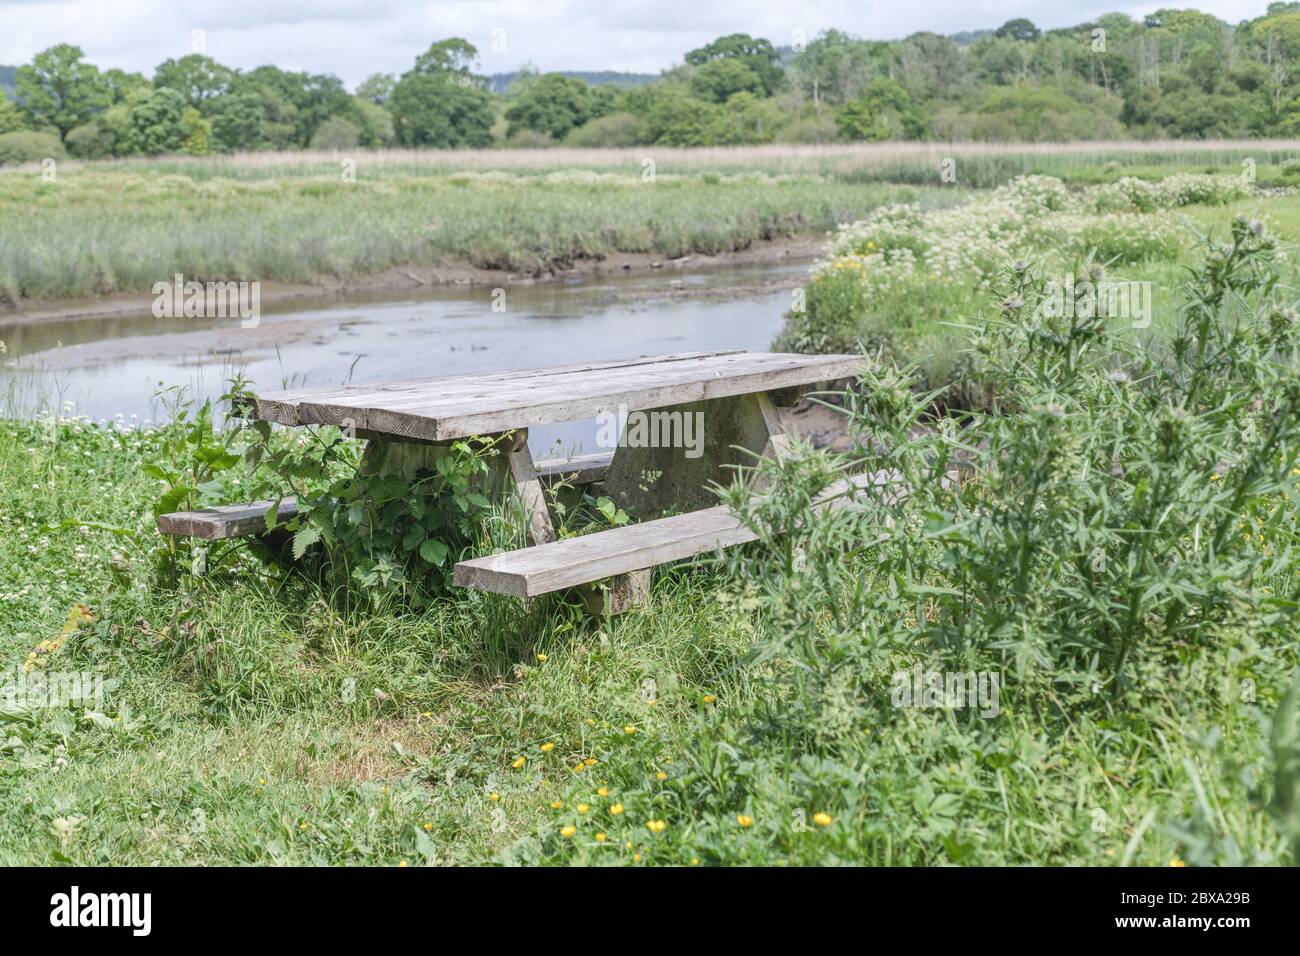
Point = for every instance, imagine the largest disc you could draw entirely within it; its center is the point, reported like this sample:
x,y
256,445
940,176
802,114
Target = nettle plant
x,y
390,523
1112,510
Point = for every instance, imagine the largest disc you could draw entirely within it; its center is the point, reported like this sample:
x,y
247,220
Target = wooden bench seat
x,y
543,568
239,521
225,521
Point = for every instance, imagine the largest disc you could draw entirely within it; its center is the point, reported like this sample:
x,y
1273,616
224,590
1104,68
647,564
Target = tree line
x,y
1172,74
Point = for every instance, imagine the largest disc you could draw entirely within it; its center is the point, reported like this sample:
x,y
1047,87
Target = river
x,y
113,368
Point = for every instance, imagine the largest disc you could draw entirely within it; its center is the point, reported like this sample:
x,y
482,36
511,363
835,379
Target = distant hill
x,y
497,82
7,79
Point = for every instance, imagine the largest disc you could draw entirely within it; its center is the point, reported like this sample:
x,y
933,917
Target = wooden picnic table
x,y
409,423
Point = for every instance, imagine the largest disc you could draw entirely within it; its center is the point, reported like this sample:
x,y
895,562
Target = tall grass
x,y
98,230
977,164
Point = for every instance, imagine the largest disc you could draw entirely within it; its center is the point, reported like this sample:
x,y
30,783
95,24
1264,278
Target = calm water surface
x,y
110,367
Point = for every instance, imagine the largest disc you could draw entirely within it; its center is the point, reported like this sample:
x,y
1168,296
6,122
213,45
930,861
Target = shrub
x,y
29,147
528,139
93,140
336,133
612,131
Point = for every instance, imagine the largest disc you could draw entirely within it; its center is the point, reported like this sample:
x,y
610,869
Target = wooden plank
x,y
442,410
225,521
542,569
576,470
521,473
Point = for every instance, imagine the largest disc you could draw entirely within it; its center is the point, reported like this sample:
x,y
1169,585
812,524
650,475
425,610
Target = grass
x,y
927,321
977,164
123,228
122,225
247,722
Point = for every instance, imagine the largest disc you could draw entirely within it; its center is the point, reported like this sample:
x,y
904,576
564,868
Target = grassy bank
x,y
296,217
122,228
913,282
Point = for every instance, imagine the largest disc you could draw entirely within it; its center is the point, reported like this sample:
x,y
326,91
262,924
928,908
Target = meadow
x,y
120,226
1119,547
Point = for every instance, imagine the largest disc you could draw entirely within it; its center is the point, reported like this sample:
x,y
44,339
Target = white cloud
x,y
354,38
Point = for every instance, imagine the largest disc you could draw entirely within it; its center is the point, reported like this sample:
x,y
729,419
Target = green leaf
x,y
303,539
433,551
157,471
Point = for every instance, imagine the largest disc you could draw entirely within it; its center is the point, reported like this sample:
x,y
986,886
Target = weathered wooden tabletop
x,y
442,409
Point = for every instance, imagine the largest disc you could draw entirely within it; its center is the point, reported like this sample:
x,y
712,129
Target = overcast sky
x,y
354,38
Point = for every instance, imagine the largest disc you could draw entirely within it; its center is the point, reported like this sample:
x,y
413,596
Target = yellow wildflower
x,y
568,831
744,820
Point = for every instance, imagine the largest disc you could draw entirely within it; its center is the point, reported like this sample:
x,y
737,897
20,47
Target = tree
x,y
1018,29
745,119
448,56
440,110
552,104
858,121
439,102
376,123
377,87
158,122
832,68
11,117
198,133
123,87
885,110
756,53
237,122
718,80
59,89
198,78
680,120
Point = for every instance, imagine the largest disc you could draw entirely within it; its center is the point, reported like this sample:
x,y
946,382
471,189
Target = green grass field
x,y
247,722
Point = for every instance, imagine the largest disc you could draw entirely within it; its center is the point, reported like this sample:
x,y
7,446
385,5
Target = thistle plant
x,y
1113,507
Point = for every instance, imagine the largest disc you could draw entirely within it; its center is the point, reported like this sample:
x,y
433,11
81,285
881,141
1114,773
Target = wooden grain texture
x,y
446,409
542,569
225,521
